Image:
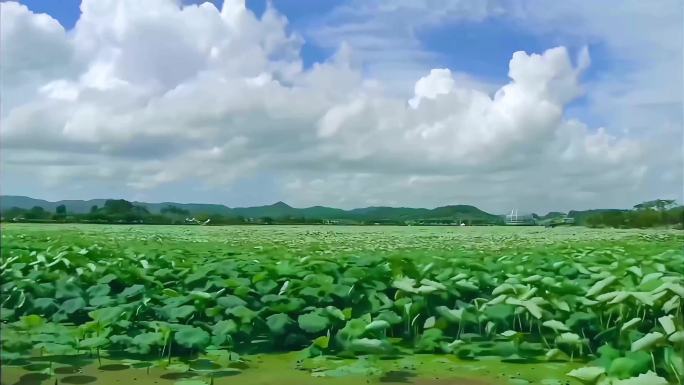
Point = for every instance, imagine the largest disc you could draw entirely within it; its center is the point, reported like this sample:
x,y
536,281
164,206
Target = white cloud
x,y
144,95
438,82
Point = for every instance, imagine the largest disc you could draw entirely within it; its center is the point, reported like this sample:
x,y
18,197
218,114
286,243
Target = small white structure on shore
x,y
516,219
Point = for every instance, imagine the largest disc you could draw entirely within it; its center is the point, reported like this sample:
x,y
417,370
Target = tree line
x,y
657,213
123,211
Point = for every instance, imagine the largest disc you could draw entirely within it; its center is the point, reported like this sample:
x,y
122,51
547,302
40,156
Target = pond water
x,y
286,369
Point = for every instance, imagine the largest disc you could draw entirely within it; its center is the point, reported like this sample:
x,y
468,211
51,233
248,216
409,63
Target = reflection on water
x,y
420,369
80,379
32,379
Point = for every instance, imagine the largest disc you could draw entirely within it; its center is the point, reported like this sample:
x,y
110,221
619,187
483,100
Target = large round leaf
x,y
132,291
647,341
93,342
107,315
192,338
587,374
277,323
312,322
73,305
179,312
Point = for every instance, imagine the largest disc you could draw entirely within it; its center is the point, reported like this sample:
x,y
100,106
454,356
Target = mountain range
x,y
465,213
276,210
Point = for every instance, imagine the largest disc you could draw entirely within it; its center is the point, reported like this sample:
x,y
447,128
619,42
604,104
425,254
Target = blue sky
x,y
338,129
480,48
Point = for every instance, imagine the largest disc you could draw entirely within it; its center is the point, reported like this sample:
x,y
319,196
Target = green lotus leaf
x,y
132,291
368,345
449,314
148,339
650,277
668,324
101,301
671,304
389,316
98,290
434,284
55,348
556,325
269,298
627,325
265,286
312,322
503,288
405,284
466,285
600,285
648,378
73,305
636,271
625,367
230,301
123,340
322,342
93,342
32,321
580,319
224,327
647,341
553,353
677,337
529,305
569,339
353,329
429,322
192,338
587,374
644,297
377,325
335,312
106,278
43,303
278,322
560,304
180,312
200,295
290,305
245,314
497,300
64,289
500,312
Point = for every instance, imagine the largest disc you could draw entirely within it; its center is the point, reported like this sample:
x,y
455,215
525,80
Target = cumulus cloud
x,y
145,94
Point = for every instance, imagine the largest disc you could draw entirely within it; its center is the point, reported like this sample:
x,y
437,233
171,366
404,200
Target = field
x,y
106,304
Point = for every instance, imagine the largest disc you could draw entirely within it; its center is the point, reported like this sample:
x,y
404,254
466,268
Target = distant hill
x,y
83,206
23,202
276,210
551,215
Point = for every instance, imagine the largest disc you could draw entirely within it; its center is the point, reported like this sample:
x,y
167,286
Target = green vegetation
x,y
18,209
605,305
657,213
647,214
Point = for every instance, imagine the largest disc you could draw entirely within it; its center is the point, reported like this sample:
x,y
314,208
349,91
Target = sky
x,y
528,104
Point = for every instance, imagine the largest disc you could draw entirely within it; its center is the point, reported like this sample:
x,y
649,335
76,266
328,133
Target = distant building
x,y
517,219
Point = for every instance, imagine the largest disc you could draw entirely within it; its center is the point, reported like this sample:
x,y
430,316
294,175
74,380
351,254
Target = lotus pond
x,y
197,305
